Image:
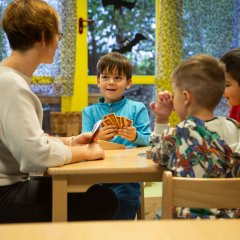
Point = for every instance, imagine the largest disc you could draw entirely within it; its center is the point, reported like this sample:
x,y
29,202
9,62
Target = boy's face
x,y
112,85
232,91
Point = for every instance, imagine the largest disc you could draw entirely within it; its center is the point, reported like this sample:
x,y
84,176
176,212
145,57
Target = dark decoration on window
x,y
121,40
127,46
118,4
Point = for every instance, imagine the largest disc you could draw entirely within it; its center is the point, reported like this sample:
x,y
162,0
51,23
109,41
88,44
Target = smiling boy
x,y
113,78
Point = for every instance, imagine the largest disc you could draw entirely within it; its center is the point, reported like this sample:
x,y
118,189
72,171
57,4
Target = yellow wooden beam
x,y
157,19
79,100
135,80
41,80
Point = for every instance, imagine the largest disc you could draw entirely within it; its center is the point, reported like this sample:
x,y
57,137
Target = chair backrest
x,y
198,193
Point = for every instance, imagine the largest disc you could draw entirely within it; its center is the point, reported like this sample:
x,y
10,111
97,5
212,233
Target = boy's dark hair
x,y
231,60
204,77
114,61
24,22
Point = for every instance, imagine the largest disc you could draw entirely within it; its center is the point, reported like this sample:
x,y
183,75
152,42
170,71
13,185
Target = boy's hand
x,y
106,133
129,133
163,107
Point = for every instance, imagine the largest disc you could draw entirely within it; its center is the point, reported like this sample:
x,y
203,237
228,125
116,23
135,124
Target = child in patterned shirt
x,y
201,145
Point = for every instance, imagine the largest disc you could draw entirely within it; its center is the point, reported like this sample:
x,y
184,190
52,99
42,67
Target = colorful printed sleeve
x,y
163,147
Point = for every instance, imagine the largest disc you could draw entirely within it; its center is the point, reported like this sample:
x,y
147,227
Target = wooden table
x,y
125,165
124,230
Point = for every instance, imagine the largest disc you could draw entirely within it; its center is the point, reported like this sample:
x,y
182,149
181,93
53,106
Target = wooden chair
x,y
198,193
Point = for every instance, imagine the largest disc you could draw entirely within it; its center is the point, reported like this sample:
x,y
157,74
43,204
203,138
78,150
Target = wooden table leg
x,y
59,198
141,210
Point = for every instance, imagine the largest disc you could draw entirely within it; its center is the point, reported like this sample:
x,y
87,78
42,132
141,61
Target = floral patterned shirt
x,y
192,150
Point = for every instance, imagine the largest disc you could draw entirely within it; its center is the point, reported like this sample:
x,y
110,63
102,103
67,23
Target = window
x,y
45,73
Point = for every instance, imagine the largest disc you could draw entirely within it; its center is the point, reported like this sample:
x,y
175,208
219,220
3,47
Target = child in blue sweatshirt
x,y
114,76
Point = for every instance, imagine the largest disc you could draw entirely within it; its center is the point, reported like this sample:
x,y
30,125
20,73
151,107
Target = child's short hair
x,y
231,60
114,61
204,77
24,21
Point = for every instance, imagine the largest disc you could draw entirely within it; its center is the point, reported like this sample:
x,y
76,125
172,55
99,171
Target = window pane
x,y
211,27
44,69
126,29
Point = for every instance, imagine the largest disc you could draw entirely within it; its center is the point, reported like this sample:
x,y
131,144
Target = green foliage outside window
x,y
111,27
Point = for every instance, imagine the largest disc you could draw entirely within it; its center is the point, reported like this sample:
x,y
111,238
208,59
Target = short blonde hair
x,y
24,22
203,76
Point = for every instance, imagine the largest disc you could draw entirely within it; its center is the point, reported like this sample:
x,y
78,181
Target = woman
x,y
32,28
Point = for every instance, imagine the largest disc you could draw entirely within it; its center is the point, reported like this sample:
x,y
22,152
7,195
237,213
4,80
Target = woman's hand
x,y
94,152
80,139
91,151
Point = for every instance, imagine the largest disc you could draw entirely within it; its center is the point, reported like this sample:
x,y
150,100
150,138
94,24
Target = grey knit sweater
x,y
24,147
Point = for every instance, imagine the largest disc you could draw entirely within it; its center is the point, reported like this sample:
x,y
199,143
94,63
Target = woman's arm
x,y
81,149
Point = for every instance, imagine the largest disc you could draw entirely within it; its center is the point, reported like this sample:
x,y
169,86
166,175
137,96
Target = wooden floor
x,y
153,199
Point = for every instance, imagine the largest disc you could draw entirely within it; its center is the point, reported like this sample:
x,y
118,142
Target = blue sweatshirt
x,y
130,109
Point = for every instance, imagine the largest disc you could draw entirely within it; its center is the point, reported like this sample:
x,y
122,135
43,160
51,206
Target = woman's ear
x,y
187,97
129,83
43,41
